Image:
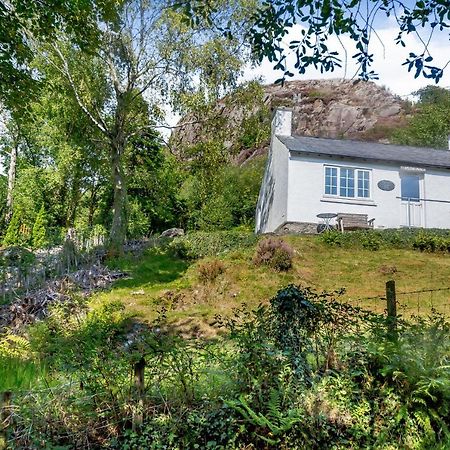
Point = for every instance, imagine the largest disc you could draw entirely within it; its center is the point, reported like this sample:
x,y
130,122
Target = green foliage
x,y
138,221
420,239
18,368
17,232
154,179
305,371
255,130
276,423
223,182
224,198
214,214
199,244
42,21
274,253
431,242
430,124
39,235
272,20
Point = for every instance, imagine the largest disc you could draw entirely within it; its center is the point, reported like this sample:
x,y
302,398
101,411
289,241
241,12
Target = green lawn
x,y
157,279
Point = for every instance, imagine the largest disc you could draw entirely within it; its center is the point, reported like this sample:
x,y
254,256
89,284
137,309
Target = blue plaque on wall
x,y
386,185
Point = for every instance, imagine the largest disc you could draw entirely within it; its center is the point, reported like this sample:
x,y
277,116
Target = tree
x,y
148,57
16,233
39,235
10,142
24,22
430,123
320,20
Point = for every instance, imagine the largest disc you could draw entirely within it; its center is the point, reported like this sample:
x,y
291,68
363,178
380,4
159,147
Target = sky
x,y
388,61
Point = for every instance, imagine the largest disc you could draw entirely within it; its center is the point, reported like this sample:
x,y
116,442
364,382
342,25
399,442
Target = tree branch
x,y
66,72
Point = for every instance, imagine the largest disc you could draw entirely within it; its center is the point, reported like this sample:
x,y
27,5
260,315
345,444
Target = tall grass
x,y
18,374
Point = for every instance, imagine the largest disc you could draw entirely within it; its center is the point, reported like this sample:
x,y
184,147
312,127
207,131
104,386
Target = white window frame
x,y
355,185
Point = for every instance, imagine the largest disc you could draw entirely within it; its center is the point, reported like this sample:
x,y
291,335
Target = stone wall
x,y
297,228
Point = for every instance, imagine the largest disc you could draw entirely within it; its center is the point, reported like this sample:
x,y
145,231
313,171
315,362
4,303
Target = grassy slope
x,y
157,279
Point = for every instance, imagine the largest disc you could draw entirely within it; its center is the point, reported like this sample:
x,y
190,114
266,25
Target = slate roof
x,y
401,154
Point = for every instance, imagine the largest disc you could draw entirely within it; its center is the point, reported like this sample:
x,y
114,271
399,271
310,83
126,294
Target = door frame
x,y
421,203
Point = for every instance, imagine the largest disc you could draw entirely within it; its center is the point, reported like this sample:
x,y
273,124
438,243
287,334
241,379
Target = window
x,y
410,187
331,180
353,183
363,183
347,183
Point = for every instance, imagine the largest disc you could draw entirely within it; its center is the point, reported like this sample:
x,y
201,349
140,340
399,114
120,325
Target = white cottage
x,y
306,177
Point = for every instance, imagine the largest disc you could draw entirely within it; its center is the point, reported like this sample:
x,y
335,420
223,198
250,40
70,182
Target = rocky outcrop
x,y
336,108
322,108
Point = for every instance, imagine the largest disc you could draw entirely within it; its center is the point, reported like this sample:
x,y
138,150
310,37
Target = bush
x,y
431,243
17,232
304,371
39,235
274,253
430,240
210,270
200,244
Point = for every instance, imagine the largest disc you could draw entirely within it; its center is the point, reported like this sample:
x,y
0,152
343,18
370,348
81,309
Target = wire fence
x,y
410,303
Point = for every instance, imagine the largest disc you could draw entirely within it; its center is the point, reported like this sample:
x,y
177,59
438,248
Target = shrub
x,y
40,233
210,270
200,244
274,253
431,243
16,233
181,248
430,240
332,238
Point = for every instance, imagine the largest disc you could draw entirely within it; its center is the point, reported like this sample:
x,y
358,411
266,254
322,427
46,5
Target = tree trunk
x,y
11,182
74,199
92,205
118,226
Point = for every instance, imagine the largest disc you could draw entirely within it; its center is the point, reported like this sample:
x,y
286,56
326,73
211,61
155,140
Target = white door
x,y
412,201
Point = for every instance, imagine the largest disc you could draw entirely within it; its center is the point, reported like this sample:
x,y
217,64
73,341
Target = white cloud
x,y
388,59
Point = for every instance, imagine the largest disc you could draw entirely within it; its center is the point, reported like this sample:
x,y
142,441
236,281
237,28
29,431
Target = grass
x,y
17,374
158,280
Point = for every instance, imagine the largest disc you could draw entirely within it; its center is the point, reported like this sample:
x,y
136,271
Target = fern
x,y
14,346
274,422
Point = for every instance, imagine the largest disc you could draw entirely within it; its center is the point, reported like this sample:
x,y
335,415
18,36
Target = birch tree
x,y
151,59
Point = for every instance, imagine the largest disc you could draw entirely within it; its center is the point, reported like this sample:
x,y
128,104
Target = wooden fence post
x,y
139,386
5,418
391,306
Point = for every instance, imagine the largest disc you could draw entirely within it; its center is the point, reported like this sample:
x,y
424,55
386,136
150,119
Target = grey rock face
x,y
322,108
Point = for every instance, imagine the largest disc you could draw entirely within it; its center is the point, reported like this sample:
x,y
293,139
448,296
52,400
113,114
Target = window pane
x,y
410,187
331,180
347,182
363,183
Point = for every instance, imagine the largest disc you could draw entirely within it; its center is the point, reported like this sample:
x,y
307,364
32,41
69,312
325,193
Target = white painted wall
x,y
437,187
271,210
307,199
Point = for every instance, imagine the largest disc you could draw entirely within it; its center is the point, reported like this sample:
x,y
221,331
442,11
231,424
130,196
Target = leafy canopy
x,y
25,23
320,20
430,124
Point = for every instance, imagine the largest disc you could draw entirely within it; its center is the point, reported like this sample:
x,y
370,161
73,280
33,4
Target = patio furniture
x,y
346,222
325,225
